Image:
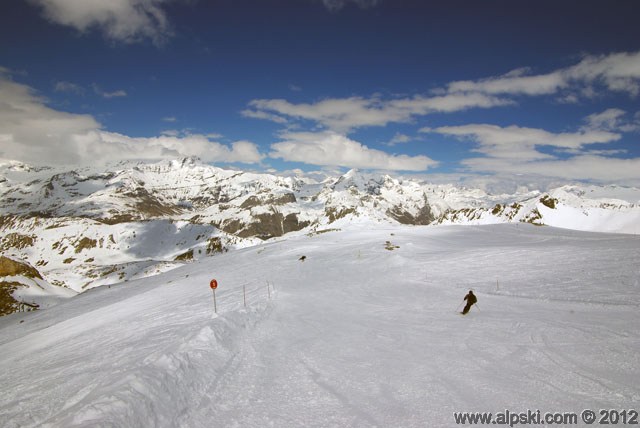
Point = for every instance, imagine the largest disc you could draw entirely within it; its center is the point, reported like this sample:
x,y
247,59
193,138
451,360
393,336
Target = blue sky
x,y
529,92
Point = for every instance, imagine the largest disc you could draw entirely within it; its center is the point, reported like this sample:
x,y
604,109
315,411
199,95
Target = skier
x,y
471,300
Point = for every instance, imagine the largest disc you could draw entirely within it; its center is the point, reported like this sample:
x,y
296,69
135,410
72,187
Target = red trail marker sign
x,y
214,284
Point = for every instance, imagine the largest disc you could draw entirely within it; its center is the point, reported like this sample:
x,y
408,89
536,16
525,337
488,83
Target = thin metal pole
x,y
215,304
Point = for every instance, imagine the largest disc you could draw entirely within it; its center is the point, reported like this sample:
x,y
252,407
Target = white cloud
x,y
69,87
114,94
258,114
514,150
513,83
126,21
613,119
617,72
166,146
342,115
568,99
398,138
497,183
170,119
32,132
332,149
521,144
584,167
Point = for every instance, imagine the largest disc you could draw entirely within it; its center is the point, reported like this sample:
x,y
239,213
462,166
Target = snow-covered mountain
x,y
587,208
88,227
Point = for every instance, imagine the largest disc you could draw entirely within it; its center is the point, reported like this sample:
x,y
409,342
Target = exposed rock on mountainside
x,y
10,267
423,217
12,275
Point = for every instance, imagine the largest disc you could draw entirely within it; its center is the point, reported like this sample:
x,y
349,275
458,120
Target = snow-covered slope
x,y
363,333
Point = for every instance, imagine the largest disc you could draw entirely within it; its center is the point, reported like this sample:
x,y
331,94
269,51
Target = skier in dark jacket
x,y
471,300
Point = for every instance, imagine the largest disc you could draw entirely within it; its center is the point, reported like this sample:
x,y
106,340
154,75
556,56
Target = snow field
x,y
356,335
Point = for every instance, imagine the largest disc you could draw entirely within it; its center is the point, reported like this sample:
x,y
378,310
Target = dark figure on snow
x,y
471,300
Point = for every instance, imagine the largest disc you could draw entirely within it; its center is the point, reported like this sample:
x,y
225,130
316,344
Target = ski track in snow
x,y
356,335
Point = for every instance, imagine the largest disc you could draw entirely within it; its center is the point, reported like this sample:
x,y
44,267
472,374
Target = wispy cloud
x,y
613,119
170,119
616,72
516,82
260,114
127,21
105,94
587,167
332,149
398,139
343,115
168,146
516,150
520,143
69,87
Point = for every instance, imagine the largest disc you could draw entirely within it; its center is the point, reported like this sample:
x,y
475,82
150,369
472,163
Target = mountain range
x,y
64,231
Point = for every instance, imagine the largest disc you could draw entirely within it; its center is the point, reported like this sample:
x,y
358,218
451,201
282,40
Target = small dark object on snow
x,y
303,258
471,300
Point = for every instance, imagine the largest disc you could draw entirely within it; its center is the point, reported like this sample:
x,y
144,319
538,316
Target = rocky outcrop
x,y
265,225
17,241
10,268
402,215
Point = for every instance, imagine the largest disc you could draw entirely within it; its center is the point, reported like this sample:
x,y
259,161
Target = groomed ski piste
x,y
365,332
